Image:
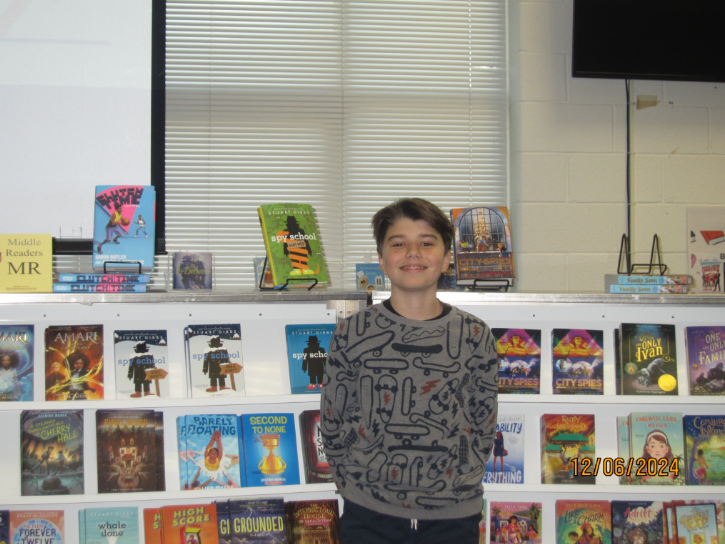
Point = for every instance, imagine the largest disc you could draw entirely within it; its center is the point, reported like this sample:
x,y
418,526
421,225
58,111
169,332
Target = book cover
x,y
293,243
649,359
670,279
578,361
126,451
317,519
307,348
519,360
74,362
17,347
193,270
719,513
190,524
117,525
483,524
706,360
124,225
696,524
259,271
215,360
505,465
317,469
369,277
650,289
5,526
705,259
181,446
638,521
160,457
623,446
567,449
99,287
223,520
657,445
142,366
103,278
152,525
270,449
705,449
51,452
583,521
28,526
516,522
212,451
482,244
27,263
258,521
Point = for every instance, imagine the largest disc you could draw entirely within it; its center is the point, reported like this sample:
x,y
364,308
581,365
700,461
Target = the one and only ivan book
x,y
74,362
505,465
142,366
519,360
578,361
307,348
649,359
17,346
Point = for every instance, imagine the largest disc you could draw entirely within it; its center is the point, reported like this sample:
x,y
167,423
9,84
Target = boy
x,y
409,400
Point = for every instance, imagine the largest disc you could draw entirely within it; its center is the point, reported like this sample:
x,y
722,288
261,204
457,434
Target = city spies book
x,y
578,362
519,360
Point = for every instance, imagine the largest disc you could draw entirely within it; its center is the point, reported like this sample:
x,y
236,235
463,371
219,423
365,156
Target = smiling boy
x,y
409,400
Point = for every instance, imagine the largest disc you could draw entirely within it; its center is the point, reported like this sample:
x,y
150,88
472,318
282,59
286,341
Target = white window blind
x,y
345,105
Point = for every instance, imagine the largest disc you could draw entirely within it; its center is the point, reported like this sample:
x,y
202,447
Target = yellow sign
x,y
26,263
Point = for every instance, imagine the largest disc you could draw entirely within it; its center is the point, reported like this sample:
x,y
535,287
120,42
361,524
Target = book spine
x,y
673,279
99,288
650,289
267,247
103,278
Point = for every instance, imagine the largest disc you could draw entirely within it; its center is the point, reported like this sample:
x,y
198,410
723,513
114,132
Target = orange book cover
x,y
152,525
190,524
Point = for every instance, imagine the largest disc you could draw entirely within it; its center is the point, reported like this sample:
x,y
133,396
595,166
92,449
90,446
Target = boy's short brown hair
x,y
415,209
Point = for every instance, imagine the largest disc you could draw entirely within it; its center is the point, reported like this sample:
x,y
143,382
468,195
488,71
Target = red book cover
x,y
713,236
152,525
317,469
190,524
74,362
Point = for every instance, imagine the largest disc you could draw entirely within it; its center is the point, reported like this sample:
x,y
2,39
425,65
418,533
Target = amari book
x,y
657,445
583,521
214,360
270,449
74,362
649,359
705,449
190,524
307,348
519,360
313,521
46,526
506,463
293,244
567,449
696,524
258,521
142,366
516,522
51,452
111,525
17,344
193,270
706,360
317,469
638,521
213,459
577,358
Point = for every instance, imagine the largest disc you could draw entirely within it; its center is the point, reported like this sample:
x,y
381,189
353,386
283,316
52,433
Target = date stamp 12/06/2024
x,y
617,466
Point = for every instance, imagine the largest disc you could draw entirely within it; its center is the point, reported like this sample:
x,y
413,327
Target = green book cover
x,y
111,525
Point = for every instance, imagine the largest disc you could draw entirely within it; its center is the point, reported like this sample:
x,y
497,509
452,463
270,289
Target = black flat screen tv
x,y
682,40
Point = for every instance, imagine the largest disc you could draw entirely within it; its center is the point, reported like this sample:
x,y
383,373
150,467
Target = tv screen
x,y
656,39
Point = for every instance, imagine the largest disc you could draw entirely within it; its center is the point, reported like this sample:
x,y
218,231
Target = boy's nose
x,y
413,249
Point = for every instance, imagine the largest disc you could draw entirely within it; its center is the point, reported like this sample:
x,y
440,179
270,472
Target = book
x,y
46,526
259,271
189,524
215,355
51,452
307,348
705,258
183,459
696,524
103,278
223,520
160,456
152,525
126,451
705,449
505,465
317,469
711,269
568,447
713,237
142,366
99,287
638,521
258,521
17,349
578,361
193,270
583,521
482,246
293,243
670,279
649,289
320,518
117,525
74,362
719,514
705,348
270,449
212,451
369,277
623,448
519,360
657,446
5,526
483,525
516,522
124,226
27,263
649,359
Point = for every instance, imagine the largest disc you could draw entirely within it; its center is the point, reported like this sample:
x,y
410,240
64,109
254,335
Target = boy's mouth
x,y
413,267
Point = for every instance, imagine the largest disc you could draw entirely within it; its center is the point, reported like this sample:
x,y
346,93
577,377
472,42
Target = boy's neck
x,y
419,308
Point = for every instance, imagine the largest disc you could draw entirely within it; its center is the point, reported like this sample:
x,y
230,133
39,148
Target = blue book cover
x,y
258,521
212,451
215,360
307,349
99,287
270,449
181,444
124,225
81,527
142,366
16,362
369,277
705,449
519,360
506,463
111,525
103,278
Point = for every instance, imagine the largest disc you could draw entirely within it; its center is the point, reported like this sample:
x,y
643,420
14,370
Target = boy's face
x,y
413,256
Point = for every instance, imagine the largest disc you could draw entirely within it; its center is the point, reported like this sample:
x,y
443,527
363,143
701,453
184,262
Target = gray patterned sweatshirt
x,y
409,412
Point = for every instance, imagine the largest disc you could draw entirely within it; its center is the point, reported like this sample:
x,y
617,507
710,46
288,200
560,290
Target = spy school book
x,y
124,226
706,360
293,244
307,349
17,344
51,452
190,524
215,360
638,521
317,469
519,360
505,465
577,358
319,518
649,359
270,449
45,526
705,449
111,525
696,523
516,522
142,366
482,244
74,362
213,458
193,270
258,521
567,449
657,446
583,521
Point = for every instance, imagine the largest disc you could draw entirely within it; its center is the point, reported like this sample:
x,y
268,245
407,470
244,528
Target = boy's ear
x,y
382,264
447,260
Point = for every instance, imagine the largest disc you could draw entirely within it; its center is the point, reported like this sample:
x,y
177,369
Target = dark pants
x,y
360,525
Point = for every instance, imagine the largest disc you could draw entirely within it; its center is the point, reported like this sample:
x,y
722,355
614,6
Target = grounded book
x,y
505,465
17,346
142,366
307,349
74,362
648,359
567,447
578,361
258,521
705,449
519,360
706,360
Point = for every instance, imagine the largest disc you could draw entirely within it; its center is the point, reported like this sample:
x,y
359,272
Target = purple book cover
x,y
706,360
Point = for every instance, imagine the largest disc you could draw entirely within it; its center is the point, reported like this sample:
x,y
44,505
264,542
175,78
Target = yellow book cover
x,y
26,263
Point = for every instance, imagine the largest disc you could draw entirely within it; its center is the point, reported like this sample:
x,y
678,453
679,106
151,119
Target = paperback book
x,y
657,445
214,360
578,359
661,289
27,526
110,525
583,521
17,347
103,278
638,521
670,509
706,359
705,449
99,287
505,465
189,524
516,522
270,449
258,521
74,362
160,456
317,469
307,349
152,525
223,520
369,277
142,366
696,524
519,360
212,451
4,526
670,279
567,449
649,359
193,270
319,518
